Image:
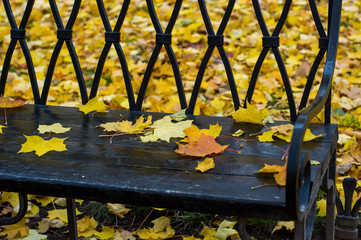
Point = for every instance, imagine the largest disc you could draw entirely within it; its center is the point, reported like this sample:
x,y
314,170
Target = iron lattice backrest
x,y
162,38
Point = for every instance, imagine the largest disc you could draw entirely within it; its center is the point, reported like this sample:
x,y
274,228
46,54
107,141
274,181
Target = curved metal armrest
x,y
297,191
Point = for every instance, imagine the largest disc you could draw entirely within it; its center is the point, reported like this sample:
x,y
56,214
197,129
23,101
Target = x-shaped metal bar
x,y
272,42
323,44
18,34
113,37
214,40
162,38
64,35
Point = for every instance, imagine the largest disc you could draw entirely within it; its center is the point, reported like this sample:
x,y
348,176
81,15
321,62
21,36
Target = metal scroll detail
x,y
113,37
18,34
272,41
64,35
162,38
23,207
214,40
347,216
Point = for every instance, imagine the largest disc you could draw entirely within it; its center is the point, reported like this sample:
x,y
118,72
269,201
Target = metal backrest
x,y
216,39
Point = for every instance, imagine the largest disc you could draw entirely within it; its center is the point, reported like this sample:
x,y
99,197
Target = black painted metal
x,y
18,34
323,44
23,208
162,38
294,168
272,42
214,40
347,218
72,224
113,37
64,35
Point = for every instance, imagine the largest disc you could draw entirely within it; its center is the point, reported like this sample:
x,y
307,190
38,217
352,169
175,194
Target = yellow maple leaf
x,y
19,229
130,128
149,138
321,205
54,128
41,146
289,225
208,233
1,128
93,104
109,126
250,114
118,209
160,230
205,165
43,200
193,132
267,136
280,172
10,197
60,214
165,129
284,132
87,228
190,238
225,230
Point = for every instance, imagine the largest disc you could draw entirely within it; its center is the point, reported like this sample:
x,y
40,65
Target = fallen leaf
x,y
121,234
1,128
289,225
267,136
160,230
205,145
136,128
280,172
250,114
314,162
33,235
165,129
208,233
43,200
54,128
179,116
238,133
60,214
92,105
19,229
41,146
8,103
225,230
322,206
44,225
193,132
109,126
149,138
205,165
118,209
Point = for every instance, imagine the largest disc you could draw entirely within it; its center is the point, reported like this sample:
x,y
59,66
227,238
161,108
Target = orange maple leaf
x,y
204,146
7,103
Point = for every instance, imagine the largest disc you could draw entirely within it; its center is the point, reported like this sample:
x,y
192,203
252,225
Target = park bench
x,y
152,174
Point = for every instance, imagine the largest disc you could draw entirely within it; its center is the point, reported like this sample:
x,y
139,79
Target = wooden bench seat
x,y
130,171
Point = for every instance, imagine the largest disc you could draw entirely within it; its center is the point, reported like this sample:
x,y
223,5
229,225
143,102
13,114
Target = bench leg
x,y
23,208
73,231
329,185
303,229
242,229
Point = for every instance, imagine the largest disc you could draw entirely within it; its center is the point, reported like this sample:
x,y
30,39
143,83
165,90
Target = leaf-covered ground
x,y
243,41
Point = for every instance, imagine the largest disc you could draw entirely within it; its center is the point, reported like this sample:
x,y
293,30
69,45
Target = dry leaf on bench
x,y
206,145
7,103
165,129
1,128
54,128
179,116
250,114
92,105
127,126
193,132
41,146
205,165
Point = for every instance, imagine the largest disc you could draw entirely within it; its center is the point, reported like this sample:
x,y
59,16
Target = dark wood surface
x,y
148,174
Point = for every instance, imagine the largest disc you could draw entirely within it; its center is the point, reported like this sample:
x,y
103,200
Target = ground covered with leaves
x,y
243,41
